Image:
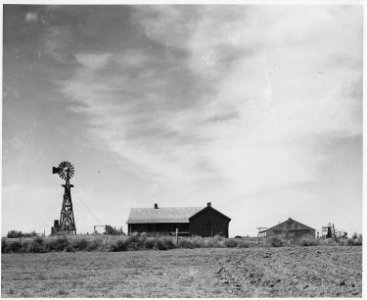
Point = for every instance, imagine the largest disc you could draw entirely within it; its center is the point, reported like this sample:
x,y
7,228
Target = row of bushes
x,y
278,241
132,243
19,234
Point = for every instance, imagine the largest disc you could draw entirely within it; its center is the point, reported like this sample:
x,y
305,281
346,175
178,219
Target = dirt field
x,y
250,272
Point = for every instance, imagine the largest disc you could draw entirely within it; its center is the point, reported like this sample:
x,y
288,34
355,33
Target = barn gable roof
x,y
162,215
210,207
280,225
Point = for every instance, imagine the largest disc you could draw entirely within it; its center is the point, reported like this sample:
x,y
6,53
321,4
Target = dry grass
x,y
222,272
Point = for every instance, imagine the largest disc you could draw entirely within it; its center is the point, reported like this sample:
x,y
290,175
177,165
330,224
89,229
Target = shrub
x,y
14,247
38,245
118,246
197,242
168,242
185,243
18,234
230,243
359,240
328,242
94,245
80,244
305,242
69,248
113,231
14,234
165,243
58,245
276,241
150,243
134,243
4,246
242,244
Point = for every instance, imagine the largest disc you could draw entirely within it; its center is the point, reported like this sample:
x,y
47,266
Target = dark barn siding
x,y
209,222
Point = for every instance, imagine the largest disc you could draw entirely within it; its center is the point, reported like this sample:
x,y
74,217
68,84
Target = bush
x,y
113,231
18,234
94,245
4,246
305,242
150,243
118,246
14,247
328,242
230,243
276,241
197,242
134,243
185,243
80,245
58,245
168,243
242,244
38,245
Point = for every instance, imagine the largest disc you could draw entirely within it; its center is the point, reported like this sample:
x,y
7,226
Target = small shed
x,y
202,221
290,229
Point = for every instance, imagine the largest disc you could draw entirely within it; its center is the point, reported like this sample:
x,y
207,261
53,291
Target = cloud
x,y
247,103
31,17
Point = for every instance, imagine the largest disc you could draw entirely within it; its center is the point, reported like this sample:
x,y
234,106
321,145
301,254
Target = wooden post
x,y
176,235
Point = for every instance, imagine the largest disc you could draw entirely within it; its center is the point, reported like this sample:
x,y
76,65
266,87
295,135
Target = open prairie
x,y
324,271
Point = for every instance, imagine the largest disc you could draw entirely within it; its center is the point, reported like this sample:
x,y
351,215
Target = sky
x,y
255,108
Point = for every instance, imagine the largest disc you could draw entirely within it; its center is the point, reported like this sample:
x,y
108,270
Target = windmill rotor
x,y
65,170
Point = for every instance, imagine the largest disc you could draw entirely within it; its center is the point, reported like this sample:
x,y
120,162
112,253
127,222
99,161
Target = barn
x,y
189,221
290,229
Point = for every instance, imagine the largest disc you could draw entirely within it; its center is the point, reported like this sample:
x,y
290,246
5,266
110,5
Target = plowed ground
x,y
251,272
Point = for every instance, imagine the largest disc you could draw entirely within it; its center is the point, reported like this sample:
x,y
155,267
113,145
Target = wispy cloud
x,y
273,80
31,17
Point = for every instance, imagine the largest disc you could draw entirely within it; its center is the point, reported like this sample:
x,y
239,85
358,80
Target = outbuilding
x,y
290,229
189,221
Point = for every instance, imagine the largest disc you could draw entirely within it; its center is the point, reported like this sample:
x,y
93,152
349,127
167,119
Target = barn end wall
x,y
209,222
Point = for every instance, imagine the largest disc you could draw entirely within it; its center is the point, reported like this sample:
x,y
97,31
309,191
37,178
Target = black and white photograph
x,y
173,150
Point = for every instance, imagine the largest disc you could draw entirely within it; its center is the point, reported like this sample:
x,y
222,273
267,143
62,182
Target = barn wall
x,y
209,222
159,228
291,229
297,234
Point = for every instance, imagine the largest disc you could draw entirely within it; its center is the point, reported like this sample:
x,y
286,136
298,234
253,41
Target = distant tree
x,y
113,231
18,234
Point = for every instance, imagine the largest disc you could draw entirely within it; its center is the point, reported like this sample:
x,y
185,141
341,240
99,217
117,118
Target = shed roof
x,y
162,215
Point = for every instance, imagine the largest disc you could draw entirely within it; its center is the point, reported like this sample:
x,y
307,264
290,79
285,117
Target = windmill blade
x,y
66,170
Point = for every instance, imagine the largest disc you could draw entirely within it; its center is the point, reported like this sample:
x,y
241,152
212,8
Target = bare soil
x,y
250,272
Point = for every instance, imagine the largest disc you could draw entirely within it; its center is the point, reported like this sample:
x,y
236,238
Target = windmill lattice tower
x,y
66,225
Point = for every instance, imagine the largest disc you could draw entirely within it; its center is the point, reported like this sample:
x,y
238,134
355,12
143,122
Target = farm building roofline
x,y
270,228
162,215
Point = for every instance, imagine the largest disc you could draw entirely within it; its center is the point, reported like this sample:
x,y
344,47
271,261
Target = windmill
x,y
67,223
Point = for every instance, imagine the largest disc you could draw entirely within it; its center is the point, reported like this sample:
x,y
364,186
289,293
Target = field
x,y
324,271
